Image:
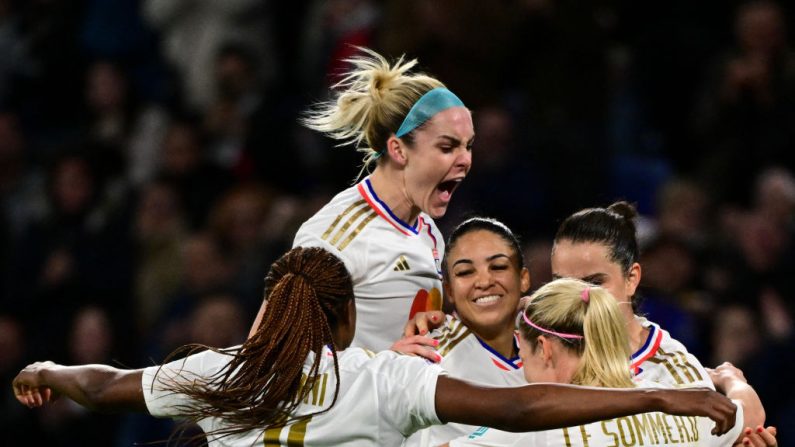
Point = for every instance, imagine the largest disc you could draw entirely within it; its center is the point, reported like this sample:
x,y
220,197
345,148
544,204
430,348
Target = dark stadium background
x,y
152,166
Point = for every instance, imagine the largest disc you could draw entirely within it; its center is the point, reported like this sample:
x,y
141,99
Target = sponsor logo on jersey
x,y
402,265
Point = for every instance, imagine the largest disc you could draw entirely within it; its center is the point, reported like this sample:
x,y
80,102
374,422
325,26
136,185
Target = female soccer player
x,y
484,277
417,139
599,246
294,382
574,333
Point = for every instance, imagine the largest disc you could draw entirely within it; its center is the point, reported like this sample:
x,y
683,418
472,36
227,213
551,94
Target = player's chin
x,y
437,211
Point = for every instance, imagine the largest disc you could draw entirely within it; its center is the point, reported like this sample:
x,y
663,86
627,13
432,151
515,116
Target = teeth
x,y
487,299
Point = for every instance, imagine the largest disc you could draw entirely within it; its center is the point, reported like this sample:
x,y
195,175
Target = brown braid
x,y
307,291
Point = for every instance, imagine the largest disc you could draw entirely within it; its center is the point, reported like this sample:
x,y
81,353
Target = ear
x,y
524,280
396,150
633,278
545,348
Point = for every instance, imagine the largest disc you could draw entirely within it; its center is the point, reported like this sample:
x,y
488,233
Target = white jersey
x,y
395,267
665,361
465,356
646,429
382,399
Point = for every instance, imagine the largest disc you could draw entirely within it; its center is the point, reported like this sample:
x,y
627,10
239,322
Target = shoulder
x,y
672,363
450,335
340,227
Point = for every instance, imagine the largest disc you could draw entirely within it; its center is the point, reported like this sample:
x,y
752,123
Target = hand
x,y
761,437
423,322
29,389
724,374
418,345
701,402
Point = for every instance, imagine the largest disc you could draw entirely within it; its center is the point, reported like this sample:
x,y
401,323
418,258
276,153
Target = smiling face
x,y
439,160
590,262
485,281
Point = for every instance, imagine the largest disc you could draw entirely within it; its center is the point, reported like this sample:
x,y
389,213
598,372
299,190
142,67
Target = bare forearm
x,y
546,406
97,387
753,411
543,407
730,381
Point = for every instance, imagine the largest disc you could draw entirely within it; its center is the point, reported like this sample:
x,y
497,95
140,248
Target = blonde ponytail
x,y
605,360
587,320
371,102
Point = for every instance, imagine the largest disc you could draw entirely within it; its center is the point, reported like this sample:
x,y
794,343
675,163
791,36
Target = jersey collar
x,y
368,193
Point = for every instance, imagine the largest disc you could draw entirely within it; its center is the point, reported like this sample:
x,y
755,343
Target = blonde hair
x,y
370,103
604,348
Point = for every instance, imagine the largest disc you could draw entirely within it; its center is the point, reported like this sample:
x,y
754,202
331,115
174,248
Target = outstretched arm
x,y
548,406
97,387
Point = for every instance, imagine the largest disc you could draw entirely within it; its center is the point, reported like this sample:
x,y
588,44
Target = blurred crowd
x,y
152,166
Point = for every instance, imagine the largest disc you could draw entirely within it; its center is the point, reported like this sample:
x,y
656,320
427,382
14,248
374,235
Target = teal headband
x,y
426,107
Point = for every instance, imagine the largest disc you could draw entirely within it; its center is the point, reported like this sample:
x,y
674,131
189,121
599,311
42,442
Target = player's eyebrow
x,y
462,261
593,278
450,139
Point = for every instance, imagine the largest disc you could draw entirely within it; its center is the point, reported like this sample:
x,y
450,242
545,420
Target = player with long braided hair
x,y
293,382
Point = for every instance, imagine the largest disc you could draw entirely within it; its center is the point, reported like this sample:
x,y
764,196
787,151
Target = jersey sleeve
x,y
729,438
407,390
156,381
308,236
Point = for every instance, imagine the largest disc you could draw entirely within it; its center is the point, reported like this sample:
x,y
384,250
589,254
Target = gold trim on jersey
x,y
295,434
448,341
356,232
343,222
676,363
347,225
340,216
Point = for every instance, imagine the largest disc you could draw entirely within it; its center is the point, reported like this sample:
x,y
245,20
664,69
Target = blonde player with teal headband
x,y
417,139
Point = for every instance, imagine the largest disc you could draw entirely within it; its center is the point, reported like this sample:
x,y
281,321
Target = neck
x,y
501,341
566,365
389,186
637,333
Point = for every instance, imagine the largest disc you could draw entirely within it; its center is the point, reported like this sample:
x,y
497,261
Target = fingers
x,y
46,393
416,325
423,322
760,437
28,389
436,319
418,345
29,396
723,412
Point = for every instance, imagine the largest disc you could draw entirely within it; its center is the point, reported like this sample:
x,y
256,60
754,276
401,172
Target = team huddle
x,y
350,346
